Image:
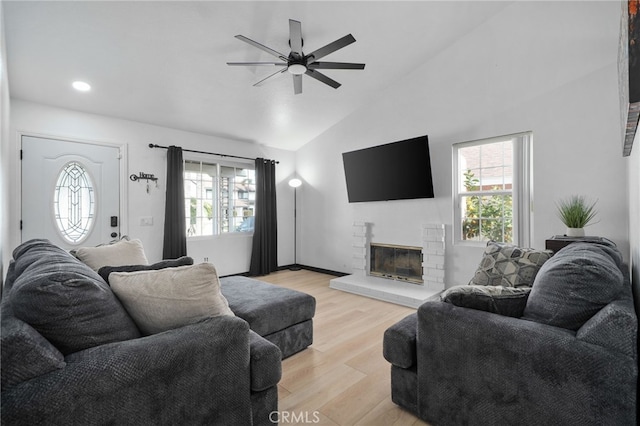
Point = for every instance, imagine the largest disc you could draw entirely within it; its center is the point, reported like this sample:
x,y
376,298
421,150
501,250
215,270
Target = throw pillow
x,y
509,265
170,263
574,285
508,301
121,253
170,298
66,301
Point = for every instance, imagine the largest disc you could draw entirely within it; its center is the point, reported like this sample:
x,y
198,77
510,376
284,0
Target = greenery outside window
x,y
219,198
492,190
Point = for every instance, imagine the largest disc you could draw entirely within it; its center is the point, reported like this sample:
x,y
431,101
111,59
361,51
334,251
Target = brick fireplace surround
x,y
399,292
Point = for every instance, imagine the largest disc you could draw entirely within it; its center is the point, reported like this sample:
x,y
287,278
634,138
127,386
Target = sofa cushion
x,y
574,285
509,265
123,252
10,277
170,298
64,300
266,307
508,301
170,263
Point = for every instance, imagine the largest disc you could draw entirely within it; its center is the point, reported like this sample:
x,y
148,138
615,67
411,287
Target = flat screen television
x,y
394,171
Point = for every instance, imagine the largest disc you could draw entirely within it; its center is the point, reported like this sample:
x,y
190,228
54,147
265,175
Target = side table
x,y
557,242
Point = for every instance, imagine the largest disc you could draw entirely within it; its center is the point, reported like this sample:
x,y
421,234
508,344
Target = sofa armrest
x,y
196,374
399,344
266,363
25,353
491,368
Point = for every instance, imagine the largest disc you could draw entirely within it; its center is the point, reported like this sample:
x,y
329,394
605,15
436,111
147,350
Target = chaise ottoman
x,y
280,315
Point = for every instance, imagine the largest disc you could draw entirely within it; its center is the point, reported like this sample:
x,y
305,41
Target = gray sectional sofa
x,y
72,355
563,351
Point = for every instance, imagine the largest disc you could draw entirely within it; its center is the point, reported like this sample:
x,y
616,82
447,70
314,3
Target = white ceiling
x,y
164,63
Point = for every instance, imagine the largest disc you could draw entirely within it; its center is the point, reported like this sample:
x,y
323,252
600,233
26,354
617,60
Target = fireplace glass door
x,y
403,263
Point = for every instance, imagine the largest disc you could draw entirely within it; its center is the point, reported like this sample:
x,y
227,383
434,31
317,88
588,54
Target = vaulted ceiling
x,y
164,63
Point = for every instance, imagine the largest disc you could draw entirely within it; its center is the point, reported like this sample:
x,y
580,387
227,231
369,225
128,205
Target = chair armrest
x,y
196,374
492,368
399,344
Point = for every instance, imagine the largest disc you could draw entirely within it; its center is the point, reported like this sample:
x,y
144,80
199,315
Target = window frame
x,y
521,188
205,159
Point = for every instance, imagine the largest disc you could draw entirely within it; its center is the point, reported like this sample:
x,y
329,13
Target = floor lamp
x,y
295,183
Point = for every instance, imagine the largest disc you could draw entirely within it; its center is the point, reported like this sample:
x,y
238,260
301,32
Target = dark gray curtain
x,y
175,233
264,255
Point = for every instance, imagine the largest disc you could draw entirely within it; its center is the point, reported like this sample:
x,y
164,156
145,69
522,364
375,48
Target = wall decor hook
x,y
145,176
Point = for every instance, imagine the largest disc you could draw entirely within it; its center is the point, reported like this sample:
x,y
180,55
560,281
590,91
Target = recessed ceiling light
x,y
81,86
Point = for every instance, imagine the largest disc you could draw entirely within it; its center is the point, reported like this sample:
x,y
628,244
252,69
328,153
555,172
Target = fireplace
x,y
402,263
427,272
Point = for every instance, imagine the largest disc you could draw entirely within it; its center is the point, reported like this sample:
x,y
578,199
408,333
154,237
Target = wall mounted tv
x,y
394,171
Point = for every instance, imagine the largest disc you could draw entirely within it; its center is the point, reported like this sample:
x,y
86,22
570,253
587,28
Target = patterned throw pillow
x,y
509,265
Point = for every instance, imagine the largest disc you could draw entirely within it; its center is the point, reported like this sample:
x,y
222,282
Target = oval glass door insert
x,y
74,203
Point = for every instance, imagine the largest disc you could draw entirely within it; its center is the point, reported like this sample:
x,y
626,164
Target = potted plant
x,y
576,212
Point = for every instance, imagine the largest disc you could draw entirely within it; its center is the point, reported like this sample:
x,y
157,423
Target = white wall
x,y
548,67
230,253
4,155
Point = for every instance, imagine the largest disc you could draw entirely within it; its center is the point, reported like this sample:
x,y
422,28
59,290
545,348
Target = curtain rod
x,y
152,145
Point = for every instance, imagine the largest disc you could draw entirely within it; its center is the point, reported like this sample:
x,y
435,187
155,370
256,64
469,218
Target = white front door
x,y
70,192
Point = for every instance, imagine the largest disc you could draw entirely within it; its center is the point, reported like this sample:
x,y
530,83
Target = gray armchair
x,y
453,365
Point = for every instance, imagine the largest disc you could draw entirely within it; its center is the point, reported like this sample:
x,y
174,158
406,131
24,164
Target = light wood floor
x,y
342,379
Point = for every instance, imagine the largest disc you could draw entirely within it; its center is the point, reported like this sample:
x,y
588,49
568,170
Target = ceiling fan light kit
x,y
297,63
297,69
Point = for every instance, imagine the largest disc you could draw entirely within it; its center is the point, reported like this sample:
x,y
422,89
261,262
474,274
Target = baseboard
x,y
240,274
313,269
295,267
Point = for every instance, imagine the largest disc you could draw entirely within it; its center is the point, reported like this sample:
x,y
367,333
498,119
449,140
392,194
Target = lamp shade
x,y
295,182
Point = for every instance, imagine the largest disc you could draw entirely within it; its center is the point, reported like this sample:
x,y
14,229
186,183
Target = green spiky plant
x,y
576,211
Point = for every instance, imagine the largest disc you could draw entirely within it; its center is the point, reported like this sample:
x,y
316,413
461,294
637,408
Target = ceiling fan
x,y
297,63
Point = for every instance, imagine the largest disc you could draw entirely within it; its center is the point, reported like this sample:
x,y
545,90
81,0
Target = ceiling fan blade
x,y
335,66
295,37
331,47
250,64
323,78
297,84
262,47
269,76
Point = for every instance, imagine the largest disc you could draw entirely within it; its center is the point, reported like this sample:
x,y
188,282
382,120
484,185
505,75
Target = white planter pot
x,y
575,232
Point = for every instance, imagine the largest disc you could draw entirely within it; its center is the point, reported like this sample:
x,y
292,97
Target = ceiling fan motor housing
x,y
297,63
